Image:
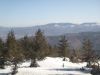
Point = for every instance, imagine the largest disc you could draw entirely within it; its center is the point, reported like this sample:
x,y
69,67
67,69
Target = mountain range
x,y
75,33
52,29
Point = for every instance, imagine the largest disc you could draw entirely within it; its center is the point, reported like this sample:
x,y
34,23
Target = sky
x,y
23,13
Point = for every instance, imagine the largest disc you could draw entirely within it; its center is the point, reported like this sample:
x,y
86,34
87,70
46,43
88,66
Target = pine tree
x,y
53,51
63,48
75,55
2,54
88,52
40,48
26,45
14,51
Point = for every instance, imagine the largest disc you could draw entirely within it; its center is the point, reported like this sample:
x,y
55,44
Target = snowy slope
x,y
53,66
50,66
5,71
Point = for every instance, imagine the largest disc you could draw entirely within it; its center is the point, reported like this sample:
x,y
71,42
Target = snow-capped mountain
x,y
52,29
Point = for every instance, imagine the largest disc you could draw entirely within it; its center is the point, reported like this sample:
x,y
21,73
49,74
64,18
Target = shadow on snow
x,y
70,69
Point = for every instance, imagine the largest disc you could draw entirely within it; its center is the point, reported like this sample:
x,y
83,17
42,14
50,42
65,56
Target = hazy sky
x,y
18,13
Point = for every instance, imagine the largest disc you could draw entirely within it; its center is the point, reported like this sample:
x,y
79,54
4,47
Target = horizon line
x,y
33,25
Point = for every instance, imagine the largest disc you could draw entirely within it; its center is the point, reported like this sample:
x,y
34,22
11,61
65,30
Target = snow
x,y
5,71
52,66
51,62
56,25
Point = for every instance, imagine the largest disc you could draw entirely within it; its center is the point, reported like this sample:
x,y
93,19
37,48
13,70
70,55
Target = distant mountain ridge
x,y
75,40
75,33
52,29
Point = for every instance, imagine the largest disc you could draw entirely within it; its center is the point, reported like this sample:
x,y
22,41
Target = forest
x,y
14,51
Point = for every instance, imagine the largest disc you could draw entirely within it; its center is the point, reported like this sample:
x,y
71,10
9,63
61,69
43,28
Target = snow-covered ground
x,y
5,71
52,66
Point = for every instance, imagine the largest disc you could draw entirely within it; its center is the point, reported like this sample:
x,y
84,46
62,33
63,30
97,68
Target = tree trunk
x,y
64,59
2,63
88,64
14,69
33,63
